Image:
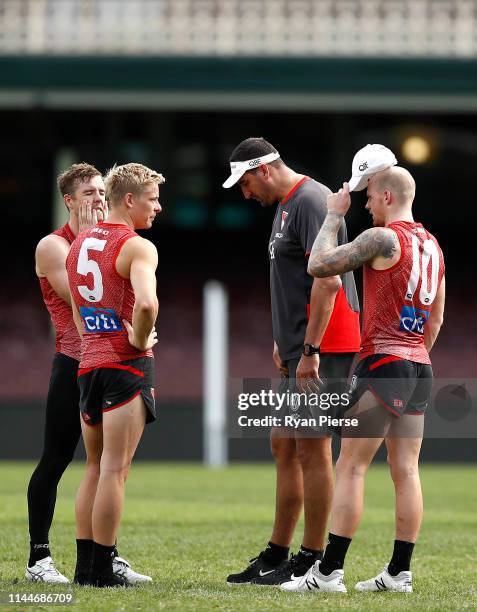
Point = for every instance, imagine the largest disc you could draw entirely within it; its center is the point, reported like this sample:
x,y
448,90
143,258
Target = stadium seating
x,y
354,28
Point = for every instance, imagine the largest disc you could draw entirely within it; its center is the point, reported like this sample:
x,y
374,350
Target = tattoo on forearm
x,y
327,236
327,259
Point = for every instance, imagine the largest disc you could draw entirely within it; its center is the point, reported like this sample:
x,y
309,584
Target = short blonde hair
x,y
129,178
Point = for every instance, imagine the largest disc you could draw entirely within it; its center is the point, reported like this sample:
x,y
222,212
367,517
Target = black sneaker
x,y
259,566
81,577
107,580
289,570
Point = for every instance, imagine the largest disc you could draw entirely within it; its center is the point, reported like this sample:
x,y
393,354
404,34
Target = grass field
x,y
189,527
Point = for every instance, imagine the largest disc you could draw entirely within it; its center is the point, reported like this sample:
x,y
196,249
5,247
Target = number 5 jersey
x,y
398,301
102,297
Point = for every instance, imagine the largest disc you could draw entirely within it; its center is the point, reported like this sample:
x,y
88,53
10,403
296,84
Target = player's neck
x,y
288,179
119,217
74,225
399,215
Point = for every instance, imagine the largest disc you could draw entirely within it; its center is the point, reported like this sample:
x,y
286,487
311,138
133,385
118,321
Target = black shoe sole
x,y
107,582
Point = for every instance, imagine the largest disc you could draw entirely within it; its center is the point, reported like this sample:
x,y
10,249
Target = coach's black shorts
x,y
334,373
112,385
399,385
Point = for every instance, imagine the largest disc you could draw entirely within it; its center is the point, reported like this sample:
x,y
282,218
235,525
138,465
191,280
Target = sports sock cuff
x,y
310,552
335,554
401,559
84,554
38,551
276,553
102,558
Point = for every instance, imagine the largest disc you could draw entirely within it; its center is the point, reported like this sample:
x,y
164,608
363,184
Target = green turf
x,y
189,527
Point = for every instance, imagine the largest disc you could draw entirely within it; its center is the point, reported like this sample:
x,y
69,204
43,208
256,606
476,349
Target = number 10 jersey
x,y
102,296
398,301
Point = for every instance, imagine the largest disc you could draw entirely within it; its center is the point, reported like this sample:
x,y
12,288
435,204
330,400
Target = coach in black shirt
x,y
315,332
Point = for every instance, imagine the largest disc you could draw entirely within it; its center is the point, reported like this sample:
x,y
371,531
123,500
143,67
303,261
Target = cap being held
x,y
370,159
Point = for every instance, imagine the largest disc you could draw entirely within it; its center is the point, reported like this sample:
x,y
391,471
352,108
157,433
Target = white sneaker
x,y
45,571
314,581
122,568
402,583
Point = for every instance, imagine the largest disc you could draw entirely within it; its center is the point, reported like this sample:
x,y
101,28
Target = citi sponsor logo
x,y
413,319
100,320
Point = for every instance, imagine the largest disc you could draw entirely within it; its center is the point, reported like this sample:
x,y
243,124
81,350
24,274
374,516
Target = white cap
x,y
370,159
239,168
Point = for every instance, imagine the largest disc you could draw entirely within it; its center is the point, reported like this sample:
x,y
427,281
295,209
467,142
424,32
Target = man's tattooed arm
x,y
327,259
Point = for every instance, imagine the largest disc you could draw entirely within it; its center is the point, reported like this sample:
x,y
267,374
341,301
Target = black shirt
x,y
297,222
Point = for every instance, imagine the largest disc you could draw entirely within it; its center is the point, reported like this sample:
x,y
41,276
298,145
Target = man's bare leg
x,y
289,491
403,459
316,462
93,441
122,430
289,502
356,454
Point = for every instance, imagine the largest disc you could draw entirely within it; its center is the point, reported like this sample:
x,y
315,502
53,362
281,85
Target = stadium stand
x,y
354,28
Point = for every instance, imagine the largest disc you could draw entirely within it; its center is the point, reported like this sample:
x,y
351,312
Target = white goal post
x,y
215,338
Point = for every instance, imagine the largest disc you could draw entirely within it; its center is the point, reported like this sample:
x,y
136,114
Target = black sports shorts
x,y
399,385
112,385
334,373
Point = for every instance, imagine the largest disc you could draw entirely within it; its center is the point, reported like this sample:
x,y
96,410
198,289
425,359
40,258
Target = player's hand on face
x,y
133,341
307,378
84,216
278,361
87,217
102,213
339,202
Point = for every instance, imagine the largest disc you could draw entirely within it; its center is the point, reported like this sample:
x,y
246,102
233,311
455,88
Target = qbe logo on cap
x,y
368,161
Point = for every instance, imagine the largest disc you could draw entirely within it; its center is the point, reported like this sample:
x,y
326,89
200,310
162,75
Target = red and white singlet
x,y
101,295
68,341
398,301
